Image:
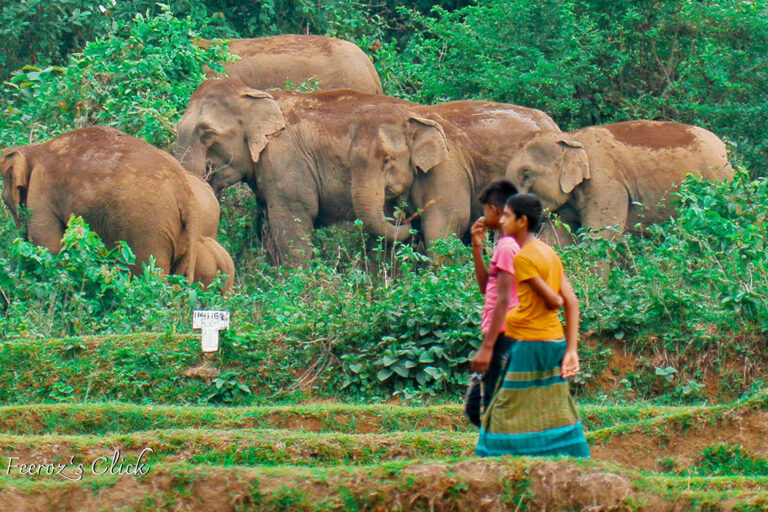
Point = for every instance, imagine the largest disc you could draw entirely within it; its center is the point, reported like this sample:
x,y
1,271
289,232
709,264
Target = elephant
x,y
330,156
617,174
214,257
209,209
268,62
292,150
123,187
496,131
487,135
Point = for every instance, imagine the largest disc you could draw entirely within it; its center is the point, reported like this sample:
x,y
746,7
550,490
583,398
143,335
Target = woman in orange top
x,y
532,412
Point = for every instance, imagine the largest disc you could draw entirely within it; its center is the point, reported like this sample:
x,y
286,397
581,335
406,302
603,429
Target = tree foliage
x,y
138,78
596,62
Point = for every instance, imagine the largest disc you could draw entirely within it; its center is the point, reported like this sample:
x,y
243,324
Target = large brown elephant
x,y
123,187
268,62
617,174
331,156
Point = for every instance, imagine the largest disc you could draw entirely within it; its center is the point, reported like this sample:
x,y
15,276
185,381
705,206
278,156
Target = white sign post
x,y
210,322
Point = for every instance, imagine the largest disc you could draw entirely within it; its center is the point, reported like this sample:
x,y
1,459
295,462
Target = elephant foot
x,y
206,371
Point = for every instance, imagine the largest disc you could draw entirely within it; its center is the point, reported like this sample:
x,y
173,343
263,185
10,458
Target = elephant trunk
x,y
189,152
368,198
192,159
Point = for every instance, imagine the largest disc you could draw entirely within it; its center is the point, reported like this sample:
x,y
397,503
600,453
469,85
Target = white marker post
x,y
211,322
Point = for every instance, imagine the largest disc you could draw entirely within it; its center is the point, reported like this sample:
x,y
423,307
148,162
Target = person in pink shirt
x,y
497,283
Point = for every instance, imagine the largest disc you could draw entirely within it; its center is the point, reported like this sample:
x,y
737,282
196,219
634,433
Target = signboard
x,y
210,322
202,318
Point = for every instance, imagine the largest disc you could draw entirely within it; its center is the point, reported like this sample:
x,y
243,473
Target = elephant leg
x,y
607,215
290,232
213,258
445,199
45,228
444,218
554,233
144,249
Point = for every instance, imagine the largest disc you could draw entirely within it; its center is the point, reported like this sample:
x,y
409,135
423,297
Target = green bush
x,y
137,79
725,459
706,267
689,290
87,288
418,327
588,63
43,33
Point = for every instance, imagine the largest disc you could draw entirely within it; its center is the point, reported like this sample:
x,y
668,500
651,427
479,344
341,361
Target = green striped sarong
x,y
532,412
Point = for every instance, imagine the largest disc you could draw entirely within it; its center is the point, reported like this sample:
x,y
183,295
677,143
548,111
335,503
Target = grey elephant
x,y
123,187
617,174
292,149
481,137
331,156
268,62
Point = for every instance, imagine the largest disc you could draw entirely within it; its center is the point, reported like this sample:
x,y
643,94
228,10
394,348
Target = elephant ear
x,y
573,165
263,118
427,142
16,174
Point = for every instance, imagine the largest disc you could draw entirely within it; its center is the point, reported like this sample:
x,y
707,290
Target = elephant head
x,y
16,174
550,166
387,151
224,130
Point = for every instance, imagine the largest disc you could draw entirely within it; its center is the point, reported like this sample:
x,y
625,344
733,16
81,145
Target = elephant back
x,y
269,62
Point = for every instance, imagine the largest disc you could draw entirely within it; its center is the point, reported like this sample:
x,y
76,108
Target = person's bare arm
x,y
551,299
482,359
478,237
570,366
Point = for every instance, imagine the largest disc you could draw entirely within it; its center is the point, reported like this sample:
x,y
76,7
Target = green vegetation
x,y
382,320
386,322
138,78
724,459
597,62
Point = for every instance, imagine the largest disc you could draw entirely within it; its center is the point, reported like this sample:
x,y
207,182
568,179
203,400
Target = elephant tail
x,y
186,251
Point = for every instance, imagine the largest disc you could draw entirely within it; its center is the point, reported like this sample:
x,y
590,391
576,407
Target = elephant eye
x,y
206,133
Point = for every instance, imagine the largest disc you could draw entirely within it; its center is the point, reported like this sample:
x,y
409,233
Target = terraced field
x,y
349,457
137,453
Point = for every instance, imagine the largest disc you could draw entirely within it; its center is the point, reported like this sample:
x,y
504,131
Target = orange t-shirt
x,y
531,320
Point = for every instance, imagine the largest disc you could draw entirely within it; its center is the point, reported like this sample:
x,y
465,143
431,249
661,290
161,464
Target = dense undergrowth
x,y
687,300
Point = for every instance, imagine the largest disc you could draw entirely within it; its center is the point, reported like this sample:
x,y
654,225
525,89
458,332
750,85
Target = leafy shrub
x,y
419,329
708,266
588,63
137,79
42,33
87,288
695,285
725,459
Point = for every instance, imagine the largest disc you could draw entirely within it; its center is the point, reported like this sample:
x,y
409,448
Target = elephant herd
x,y
346,152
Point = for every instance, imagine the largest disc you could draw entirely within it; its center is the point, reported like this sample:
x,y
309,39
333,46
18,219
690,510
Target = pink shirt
x,y
503,256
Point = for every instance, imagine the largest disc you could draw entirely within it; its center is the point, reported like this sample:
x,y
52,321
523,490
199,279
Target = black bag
x,y
474,398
